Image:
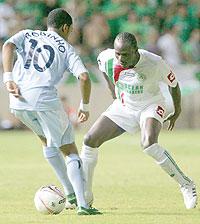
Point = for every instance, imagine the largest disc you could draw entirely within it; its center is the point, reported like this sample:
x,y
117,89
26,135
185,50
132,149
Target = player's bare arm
x,y
176,97
110,86
85,86
8,59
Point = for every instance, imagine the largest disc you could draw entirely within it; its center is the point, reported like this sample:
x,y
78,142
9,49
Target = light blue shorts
x,y
53,125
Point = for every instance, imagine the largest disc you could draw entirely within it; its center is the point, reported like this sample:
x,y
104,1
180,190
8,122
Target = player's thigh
x,y
151,123
29,118
123,117
150,131
102,130
56,127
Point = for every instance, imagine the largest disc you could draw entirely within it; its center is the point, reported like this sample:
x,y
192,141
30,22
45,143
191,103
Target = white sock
x,y
167,163
74,169
57,162
89,157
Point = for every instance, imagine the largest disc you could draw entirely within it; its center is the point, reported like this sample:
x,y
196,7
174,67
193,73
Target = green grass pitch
x,y
129,187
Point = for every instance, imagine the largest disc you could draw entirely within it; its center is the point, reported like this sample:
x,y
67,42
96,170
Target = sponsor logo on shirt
x,y
160,111
131,73
132,89
171,77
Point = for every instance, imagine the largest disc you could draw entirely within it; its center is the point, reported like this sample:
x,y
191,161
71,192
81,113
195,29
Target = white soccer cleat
x,y
189,195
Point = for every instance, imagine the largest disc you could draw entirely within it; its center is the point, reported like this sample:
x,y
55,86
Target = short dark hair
x,y
58,17
128,38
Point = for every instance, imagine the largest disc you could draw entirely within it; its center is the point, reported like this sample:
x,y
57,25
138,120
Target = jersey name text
x,y
59,41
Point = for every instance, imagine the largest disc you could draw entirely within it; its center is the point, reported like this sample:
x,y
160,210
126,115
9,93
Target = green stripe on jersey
x,y
109,69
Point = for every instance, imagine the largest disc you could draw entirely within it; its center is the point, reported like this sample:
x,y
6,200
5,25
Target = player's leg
x,y
74,169
51,154
150,131
112,123
55,158
59,133
103,130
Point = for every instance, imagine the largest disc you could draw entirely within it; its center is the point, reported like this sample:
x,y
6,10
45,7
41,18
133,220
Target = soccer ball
x,y
49,200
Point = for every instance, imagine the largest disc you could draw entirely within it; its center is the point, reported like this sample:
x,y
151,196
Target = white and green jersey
x,y
137,87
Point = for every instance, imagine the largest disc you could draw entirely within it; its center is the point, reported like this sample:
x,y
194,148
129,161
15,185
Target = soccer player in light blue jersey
x,y
43,57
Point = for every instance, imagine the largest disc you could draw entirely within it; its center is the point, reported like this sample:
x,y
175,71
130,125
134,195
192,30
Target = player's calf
x,y
167,163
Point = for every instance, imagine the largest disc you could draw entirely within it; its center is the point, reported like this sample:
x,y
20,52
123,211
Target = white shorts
x,y
53,125
132,120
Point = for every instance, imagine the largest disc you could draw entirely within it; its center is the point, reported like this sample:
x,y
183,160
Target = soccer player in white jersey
x,y
133,76
43,56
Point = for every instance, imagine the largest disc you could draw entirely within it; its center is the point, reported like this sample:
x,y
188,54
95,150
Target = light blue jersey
x,y
43,57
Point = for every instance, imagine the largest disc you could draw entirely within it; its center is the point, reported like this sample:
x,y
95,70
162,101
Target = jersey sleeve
x,y
101,62
167,74
74,63
17,39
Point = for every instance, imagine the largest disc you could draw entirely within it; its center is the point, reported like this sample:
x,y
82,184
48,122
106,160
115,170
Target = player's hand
x,y
13,89
172,119
83,116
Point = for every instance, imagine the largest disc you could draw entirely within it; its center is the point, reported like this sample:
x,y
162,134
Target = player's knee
x,y
148,141
68,149
91,141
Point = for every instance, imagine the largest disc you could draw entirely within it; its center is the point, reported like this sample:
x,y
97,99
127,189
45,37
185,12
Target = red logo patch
x,y
171,77
160,111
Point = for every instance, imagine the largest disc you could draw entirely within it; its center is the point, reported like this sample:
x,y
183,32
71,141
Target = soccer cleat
x,y
71,202
189,195
88,211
